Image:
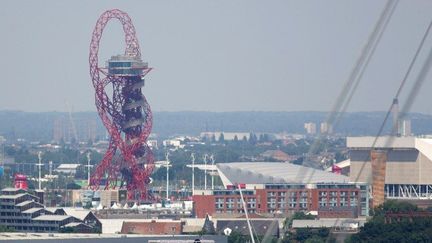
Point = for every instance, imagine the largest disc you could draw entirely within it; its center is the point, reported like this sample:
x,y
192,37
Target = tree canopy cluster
x,y
407,229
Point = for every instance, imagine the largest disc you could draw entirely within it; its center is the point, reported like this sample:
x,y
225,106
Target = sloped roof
x,y
15,196
11,189
261,227
77,212
274,172
75,224
55,210
23,203
32,210
52,217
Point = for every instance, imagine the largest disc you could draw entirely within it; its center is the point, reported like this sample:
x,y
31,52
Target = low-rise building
x,y
22,211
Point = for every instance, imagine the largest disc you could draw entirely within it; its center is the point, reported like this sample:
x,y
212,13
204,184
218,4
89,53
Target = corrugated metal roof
x,y
275,172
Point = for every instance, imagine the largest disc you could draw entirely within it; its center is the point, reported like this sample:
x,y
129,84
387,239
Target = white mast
x,y
193,173
205,171
88,168
167,174
40,168
212,175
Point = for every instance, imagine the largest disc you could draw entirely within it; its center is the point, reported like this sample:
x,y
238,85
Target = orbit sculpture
x,y
124,111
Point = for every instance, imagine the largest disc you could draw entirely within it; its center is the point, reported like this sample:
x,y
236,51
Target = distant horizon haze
x,y
215,56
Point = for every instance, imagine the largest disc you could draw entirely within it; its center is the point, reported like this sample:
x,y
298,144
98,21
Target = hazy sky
x,y
213,55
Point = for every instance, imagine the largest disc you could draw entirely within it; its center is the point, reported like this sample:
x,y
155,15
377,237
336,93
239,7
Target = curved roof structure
x,y
274,173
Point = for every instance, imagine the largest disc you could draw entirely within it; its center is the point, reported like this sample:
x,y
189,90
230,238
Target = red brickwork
x,y
378,160
152,228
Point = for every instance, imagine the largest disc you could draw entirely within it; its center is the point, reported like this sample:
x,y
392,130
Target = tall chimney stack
x,y
395,111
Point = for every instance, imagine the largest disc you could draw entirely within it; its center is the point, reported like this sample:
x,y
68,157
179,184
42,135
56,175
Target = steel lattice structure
x,y
128,161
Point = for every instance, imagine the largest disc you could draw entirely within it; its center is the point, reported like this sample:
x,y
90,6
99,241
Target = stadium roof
x,y
273,173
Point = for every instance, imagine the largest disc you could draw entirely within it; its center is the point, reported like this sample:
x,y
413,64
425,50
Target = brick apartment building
x,y
277,189
329,200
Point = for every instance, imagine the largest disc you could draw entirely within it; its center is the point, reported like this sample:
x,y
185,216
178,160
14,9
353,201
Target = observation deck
x,y
122,65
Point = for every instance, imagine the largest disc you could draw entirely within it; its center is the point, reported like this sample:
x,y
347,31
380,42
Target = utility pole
x,y
193,173
40,168
212,175
167,174
205,171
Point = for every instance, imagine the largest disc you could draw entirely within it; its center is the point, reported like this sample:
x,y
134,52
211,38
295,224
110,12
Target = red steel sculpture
x,y
128,161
